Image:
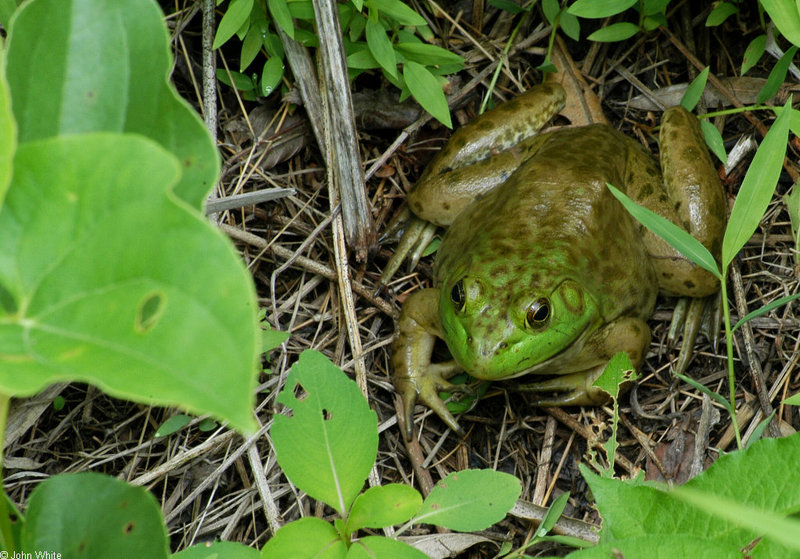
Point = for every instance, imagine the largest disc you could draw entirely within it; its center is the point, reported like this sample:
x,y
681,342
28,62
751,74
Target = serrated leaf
x,y
328,445
776,76
426,89
398,11
307,537
720,13
753,53
117,516
282,16
470,500
235,16
785,16
757,188
614,32
271,75
695,90
383,506
380,46
714,140
378,547
619,370
596,9
676,237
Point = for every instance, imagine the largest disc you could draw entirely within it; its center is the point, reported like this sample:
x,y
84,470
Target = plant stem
x,y
729,345
6,533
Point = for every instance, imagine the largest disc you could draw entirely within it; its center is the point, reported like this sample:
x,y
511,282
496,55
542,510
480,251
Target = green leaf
x,y
793,400
695,91
570,25
398,11
7,9
506,5
720,13
328,445
765,309
58,403
428,55
784,13
714,140
271,75
619,370
552,515
654,7
235,16
614,32
676,237
218,550
307,537
757,187
118,62
8,132
705,390
240,81
118,516
380,46
427,90
362,60
173,425
378,547
753,53
383,506
270,339
82,312
599,8
551,10
776,76
470,500
251,46
282,16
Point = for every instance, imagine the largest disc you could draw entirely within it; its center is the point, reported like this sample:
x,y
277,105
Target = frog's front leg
x,y
627,334
415,377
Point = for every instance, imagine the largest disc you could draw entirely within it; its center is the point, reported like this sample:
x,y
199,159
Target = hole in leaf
x,y
326,415
128,528
299,392
151,307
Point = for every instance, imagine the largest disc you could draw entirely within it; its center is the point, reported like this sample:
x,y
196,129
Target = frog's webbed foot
x,y
695,316
417,236
574,389
425,388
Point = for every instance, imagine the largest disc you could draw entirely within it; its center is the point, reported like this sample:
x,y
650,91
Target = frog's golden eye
x,y
538,313
457,295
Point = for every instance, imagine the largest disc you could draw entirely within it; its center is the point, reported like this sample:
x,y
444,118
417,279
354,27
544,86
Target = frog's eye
x,y
457,295
538,314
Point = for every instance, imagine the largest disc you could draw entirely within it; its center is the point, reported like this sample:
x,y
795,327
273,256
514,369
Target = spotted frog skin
x,y
541,270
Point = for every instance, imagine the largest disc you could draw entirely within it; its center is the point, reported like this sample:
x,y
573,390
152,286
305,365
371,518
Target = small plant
x,y
387,37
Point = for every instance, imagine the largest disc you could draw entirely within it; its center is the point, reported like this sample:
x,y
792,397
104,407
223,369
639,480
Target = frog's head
x,y
495,335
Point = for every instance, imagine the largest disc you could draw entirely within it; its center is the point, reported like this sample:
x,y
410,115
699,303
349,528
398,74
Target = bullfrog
x,y
541,270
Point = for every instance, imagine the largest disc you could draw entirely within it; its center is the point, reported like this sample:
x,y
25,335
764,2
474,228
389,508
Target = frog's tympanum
x,y
542,271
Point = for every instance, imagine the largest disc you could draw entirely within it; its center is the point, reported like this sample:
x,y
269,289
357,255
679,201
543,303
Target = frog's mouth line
x,y
567,354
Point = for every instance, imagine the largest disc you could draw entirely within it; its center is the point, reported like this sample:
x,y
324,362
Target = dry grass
x,y
205,481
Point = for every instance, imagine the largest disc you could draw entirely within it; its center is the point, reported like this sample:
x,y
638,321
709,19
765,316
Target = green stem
x,y
6,532
729,344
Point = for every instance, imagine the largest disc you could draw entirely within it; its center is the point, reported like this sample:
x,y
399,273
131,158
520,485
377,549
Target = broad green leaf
x,y
618,371
383,506
362,60
270,339
757,187
252,42
271,75
7,9
792,202
776,76
95,252
281,15
614,32
117,517
8,132
302,9
236,79
763,477
506,5
714,140
599,8
427,90
470,500
551,10
79,66
428,55
695,90
676,237
753,53
785,15
235,16
328,445
398,11
793,400
720,13
173,425
309,537
654,7
659,546
380,46
378,547
218,550
570,25
765,309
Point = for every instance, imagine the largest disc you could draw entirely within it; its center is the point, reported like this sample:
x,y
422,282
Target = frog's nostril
x,y
502,345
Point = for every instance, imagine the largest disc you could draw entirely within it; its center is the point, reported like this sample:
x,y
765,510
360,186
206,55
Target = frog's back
x,y
553,219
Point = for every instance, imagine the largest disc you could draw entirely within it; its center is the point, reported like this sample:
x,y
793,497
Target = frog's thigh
x,y
627,334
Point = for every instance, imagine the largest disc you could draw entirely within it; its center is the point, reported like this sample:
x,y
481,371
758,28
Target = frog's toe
x,y
693,317
415,239
425,389
567,390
